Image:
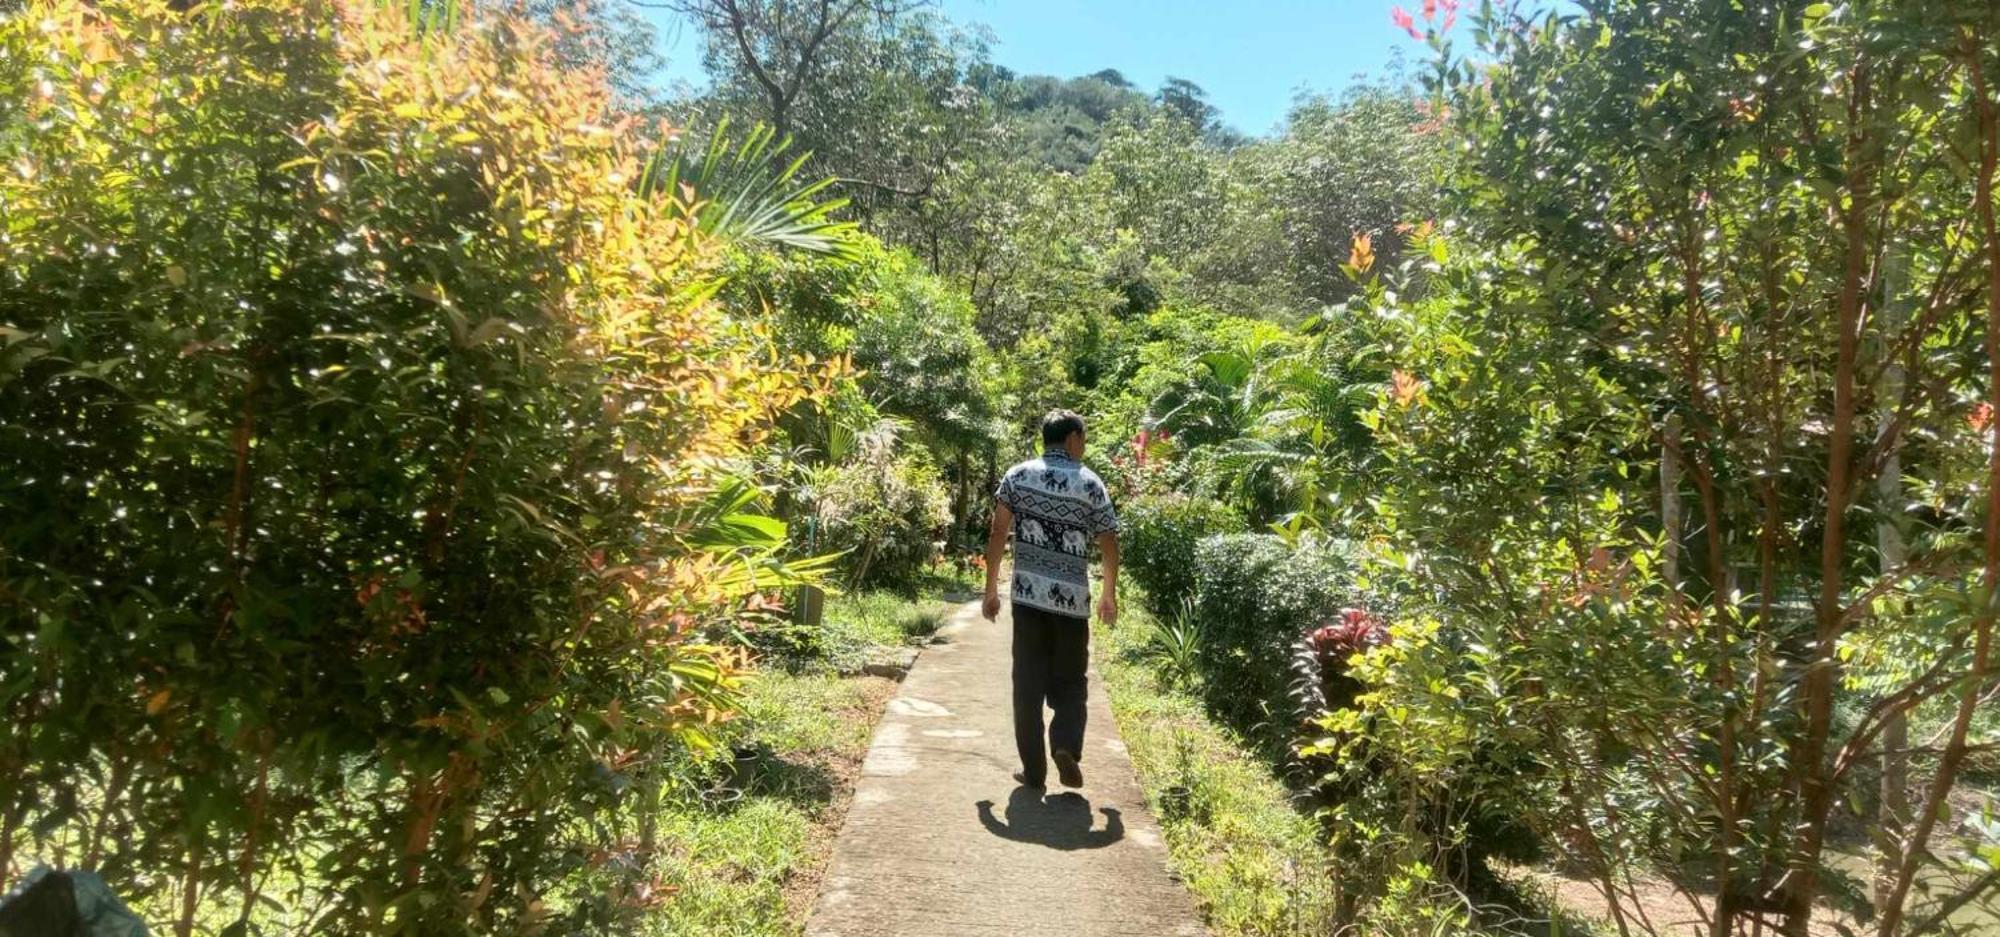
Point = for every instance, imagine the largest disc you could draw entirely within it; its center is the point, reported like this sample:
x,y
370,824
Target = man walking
x,y
1054,508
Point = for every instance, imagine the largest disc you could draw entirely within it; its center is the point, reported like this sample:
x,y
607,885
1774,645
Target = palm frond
x,y
749,191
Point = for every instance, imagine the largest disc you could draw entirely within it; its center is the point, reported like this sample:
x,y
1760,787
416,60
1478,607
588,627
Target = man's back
x,y
1059,508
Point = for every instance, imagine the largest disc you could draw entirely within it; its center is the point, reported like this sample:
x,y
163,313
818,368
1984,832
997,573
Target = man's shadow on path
x,y
1061,821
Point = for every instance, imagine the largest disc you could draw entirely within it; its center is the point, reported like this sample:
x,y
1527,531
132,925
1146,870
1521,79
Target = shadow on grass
x,y
760,771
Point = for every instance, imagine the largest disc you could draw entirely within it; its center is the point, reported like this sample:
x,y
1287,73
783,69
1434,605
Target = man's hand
x,y
991,607
1107,608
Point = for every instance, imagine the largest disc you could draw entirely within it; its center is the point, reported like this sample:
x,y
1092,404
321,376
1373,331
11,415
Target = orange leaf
x,y
158,701
1404,387
1362,255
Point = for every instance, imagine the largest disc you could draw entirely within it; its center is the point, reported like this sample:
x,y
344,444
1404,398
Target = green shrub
x,y
887,511
359,426
1157,540
1255,595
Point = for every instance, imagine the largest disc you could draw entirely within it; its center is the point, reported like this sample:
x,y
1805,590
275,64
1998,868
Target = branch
x,y
1925,686
1950,905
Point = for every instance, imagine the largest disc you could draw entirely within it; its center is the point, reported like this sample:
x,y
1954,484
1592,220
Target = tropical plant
x,y
744,191
886,508
1176,645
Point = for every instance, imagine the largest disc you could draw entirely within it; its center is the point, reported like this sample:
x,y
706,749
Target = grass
x,y
745,860
746,863
854,625
857,622
1253,862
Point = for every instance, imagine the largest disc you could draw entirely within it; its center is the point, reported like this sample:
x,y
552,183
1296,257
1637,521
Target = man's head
x,y
1063,429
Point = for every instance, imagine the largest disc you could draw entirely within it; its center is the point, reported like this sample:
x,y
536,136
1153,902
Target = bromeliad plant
x,y
1321,660
362,435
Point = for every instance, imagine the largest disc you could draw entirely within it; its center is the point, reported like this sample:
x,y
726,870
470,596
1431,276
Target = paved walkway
x,y
941,842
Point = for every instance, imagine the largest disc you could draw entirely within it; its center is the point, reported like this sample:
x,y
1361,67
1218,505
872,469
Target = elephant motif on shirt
x,y
1074,542
1031,531
1055,481
1066,598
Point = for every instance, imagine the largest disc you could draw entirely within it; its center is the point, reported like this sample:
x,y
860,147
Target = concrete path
x,y
941,842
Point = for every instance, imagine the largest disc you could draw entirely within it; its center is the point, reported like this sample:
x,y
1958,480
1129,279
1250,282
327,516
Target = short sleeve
x,y
1008,493
1103,515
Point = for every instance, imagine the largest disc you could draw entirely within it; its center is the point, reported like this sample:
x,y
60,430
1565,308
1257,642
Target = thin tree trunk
x,y
1814,784
190,887
1892,808
1670,508
962,502
1988,115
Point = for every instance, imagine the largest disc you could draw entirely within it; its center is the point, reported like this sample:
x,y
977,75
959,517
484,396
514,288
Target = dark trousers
x,y
1051,653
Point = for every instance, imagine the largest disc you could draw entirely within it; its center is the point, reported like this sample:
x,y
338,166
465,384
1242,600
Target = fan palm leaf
x,y
749,191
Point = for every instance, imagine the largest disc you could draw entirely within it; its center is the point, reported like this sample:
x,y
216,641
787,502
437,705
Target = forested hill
x,y
1042,197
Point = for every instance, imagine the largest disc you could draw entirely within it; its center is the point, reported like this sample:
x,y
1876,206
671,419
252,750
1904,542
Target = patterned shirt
x,y
1059,508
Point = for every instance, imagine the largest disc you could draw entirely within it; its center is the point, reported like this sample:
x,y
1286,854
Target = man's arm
x,y
1107,604
996,550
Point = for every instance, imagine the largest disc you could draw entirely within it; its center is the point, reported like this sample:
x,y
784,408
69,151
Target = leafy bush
x,y
885,510
1255,596
1157,542
1418,766
359,427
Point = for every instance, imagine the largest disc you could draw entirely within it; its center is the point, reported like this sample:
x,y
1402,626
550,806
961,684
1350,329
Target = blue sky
x,y
1252,56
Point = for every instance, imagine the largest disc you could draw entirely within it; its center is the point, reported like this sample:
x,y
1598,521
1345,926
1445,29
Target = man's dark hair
x,y
1057,426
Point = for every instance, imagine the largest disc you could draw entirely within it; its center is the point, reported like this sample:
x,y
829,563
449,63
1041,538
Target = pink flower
x,y
1401,17
1430,10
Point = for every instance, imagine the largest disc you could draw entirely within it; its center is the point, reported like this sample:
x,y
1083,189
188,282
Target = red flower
x,y
1401,17
1981,417
1430,10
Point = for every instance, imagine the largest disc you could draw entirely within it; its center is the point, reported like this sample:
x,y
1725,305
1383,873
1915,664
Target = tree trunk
x,y
1670,507
1815,784
1892,807
961,502
1987,113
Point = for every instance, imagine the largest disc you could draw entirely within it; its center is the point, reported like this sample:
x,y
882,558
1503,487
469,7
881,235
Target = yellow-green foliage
x,y
358,423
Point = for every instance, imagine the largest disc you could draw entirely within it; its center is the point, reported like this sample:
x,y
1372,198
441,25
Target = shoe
x,y
1022,779
1067,769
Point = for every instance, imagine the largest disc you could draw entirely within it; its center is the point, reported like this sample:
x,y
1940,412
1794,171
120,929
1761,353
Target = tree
x,y
1188,101
607,37
779,45
364,433
1360,164
1685,218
